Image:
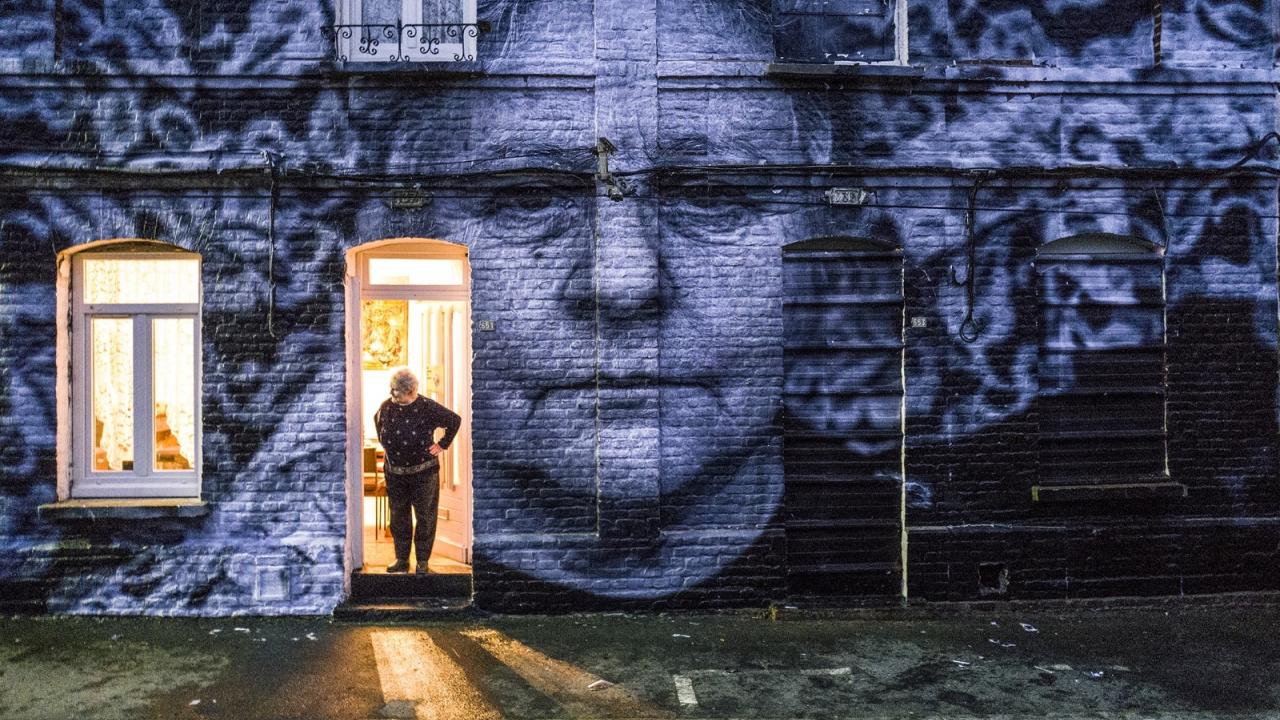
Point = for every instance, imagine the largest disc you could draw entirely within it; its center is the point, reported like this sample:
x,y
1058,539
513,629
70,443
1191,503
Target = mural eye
x,y
1243,24
532,217
715,215
534,202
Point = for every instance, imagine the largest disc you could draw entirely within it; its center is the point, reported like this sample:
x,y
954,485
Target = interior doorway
x,y
408,306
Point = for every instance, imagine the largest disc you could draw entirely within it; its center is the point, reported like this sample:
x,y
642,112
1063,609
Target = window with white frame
x,y
134,342
841,31
407,30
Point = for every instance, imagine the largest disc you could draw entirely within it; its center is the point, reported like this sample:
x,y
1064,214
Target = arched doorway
x,y
408,305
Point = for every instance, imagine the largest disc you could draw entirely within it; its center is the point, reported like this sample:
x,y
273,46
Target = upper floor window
x,y
1101,404
841,31
134,342
407,30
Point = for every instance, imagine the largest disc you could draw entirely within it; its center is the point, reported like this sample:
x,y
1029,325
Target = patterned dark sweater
x,y
406,431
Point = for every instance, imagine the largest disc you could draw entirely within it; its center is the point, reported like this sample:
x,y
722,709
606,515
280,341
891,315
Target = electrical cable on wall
x,y
750,201
970,327
273,162
1157,33
1170,172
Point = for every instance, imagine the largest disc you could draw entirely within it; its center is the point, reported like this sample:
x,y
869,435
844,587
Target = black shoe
x,y
421,569
398,566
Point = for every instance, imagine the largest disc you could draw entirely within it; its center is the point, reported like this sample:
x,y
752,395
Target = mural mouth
x,y
617,391
631,381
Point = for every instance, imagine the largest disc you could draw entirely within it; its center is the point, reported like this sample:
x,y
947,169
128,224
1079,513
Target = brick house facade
x,y
855,300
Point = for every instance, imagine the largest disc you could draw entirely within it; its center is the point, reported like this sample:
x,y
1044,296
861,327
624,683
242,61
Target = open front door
x,y
408,306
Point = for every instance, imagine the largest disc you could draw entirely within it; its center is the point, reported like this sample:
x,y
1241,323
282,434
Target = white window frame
x,y
141,481
406,48
455,291
899,39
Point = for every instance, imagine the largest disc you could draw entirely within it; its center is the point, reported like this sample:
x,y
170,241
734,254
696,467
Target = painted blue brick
x,y
628,445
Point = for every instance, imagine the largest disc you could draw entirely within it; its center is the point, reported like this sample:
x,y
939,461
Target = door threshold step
x,y
392,609
366,586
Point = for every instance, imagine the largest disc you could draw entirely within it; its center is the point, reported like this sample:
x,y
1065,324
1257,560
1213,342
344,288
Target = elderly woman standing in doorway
x,y
406,424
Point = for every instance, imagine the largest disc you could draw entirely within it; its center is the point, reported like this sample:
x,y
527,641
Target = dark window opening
x,y
832,31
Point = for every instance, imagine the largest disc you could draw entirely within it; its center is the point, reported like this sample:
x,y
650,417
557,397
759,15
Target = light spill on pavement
x,y
414,670
567,684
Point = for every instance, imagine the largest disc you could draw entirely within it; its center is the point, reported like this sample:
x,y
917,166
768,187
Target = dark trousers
x,y
421,494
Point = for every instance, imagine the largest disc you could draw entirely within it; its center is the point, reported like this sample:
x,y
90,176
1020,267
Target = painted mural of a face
x,y
654,342
650,332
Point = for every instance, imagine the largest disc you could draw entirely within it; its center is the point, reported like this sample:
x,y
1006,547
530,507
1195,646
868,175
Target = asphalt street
x,y
1174,661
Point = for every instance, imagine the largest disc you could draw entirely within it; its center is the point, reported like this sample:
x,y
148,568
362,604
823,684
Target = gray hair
x,y
403,383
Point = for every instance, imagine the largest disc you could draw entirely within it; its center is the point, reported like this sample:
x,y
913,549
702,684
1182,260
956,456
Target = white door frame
x,y
356,293
354,546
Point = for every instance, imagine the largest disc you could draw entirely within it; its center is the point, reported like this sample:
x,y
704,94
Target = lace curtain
x,y
144,280
440,12
113,393
173,342
122,280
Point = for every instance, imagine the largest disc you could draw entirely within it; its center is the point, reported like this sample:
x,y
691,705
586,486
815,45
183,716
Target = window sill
x,y
831,70
123,509
1108,492
460,68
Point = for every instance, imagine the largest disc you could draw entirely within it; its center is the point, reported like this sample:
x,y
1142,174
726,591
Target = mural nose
x,y
628,282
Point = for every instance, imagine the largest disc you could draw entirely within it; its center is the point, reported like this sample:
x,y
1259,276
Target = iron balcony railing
x,y
404,42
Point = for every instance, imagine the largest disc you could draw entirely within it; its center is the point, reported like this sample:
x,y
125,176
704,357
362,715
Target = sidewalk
x,y
1181,661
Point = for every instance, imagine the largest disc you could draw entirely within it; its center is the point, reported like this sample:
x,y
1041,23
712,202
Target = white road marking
x,y
684,691
773,671
689,699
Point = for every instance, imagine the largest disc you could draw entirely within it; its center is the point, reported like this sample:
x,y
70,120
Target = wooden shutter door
x,y
843,424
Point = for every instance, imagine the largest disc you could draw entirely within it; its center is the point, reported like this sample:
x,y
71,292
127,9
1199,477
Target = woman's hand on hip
x,y
435,449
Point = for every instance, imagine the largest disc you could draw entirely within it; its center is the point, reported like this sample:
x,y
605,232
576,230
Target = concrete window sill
x,y
122,509
1117,491
462,69
823,70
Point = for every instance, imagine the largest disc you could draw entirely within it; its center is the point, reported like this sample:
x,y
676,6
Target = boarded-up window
x,y
1101,403
836,30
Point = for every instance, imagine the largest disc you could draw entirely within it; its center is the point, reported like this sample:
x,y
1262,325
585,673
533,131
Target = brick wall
x,y
628,407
